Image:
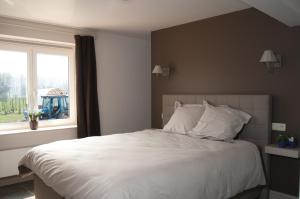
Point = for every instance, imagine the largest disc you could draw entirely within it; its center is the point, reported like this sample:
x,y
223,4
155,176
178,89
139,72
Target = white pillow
x,y
222,122
184,119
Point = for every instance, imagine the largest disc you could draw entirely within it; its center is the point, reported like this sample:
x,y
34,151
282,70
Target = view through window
x,y
53,86
13,86
36,79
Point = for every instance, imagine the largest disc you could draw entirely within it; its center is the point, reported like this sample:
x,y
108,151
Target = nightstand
x,y
273,149
286,152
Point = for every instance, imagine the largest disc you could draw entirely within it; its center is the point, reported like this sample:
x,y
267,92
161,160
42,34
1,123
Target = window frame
x,y
32,50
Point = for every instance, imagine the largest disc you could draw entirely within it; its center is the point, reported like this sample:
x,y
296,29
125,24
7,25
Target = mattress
x,y
146,164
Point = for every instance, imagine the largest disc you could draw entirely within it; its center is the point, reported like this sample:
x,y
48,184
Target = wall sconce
x,y
161,71
271,60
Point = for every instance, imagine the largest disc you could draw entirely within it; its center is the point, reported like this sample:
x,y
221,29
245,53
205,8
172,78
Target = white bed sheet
x,y
149,164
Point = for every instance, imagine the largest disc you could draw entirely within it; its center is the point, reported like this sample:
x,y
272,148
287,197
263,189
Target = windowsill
x,y
23,138
39,130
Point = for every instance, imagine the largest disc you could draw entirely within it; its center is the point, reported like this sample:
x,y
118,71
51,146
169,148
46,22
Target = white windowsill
x,y
41,130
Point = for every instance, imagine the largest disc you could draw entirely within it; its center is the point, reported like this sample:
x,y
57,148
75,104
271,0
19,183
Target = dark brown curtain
x,y
88,122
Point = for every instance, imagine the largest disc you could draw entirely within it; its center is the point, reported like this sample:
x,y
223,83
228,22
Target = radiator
x,y
9,160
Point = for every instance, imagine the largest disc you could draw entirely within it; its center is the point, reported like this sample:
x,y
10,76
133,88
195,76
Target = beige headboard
x,y
257,131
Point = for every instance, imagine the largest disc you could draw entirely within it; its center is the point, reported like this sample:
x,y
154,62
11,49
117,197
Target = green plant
x,y
282,138
34,115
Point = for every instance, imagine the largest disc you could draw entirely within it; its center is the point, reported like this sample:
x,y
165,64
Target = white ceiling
x,y
132,16
140,16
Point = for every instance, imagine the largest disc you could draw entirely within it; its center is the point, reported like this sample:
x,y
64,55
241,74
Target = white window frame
x,y
32,50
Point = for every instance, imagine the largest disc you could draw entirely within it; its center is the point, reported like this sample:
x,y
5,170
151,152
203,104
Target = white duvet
x,y
149,164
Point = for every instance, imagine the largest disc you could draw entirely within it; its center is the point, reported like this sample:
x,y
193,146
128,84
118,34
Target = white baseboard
x,y
279,195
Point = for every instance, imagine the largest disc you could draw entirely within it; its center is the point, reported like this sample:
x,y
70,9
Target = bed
x,y
157,164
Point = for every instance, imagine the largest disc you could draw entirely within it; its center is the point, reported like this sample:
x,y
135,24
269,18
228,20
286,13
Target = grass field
x,y
11,109
13,117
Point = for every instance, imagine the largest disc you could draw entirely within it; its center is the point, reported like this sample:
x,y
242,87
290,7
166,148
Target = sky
x,y
13,62
52,67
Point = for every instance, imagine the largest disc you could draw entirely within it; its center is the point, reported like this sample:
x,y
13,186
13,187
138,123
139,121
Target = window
x,y
36,78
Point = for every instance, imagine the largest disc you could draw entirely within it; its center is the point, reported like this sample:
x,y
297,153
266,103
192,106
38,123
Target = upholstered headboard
x,y
257,131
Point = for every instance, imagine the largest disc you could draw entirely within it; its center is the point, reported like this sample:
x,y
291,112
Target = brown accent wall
x,y
220,55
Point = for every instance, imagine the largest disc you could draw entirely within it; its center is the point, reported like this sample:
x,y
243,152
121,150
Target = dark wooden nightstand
x,y
294,153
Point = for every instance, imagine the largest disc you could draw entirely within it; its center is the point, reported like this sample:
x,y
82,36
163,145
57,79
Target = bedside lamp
x,y
161,71
157,70
271,60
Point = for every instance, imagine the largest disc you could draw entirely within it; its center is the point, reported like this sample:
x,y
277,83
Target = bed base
x,y
42,191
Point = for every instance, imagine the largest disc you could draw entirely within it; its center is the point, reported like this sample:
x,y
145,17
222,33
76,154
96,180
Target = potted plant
x,y
33,120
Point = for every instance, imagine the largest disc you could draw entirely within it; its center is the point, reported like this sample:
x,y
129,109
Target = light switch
x,y
278,127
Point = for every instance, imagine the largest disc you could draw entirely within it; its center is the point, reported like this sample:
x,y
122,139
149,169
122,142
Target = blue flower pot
x,y
282,144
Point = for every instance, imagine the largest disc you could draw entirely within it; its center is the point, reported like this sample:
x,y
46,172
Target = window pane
x,y
53,86
13,86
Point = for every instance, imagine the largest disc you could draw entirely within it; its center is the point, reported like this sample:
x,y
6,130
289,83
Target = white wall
x,y
124,82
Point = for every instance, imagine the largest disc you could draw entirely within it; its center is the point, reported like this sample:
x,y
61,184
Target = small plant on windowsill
x,y
33,120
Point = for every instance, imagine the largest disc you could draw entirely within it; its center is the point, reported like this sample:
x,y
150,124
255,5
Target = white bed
x,y
154,164
147,164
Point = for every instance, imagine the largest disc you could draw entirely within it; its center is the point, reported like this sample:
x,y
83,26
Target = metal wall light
x,y
161,71
271,60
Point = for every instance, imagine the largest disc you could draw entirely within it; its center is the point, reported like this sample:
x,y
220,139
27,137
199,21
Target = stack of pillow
x,y
207,121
